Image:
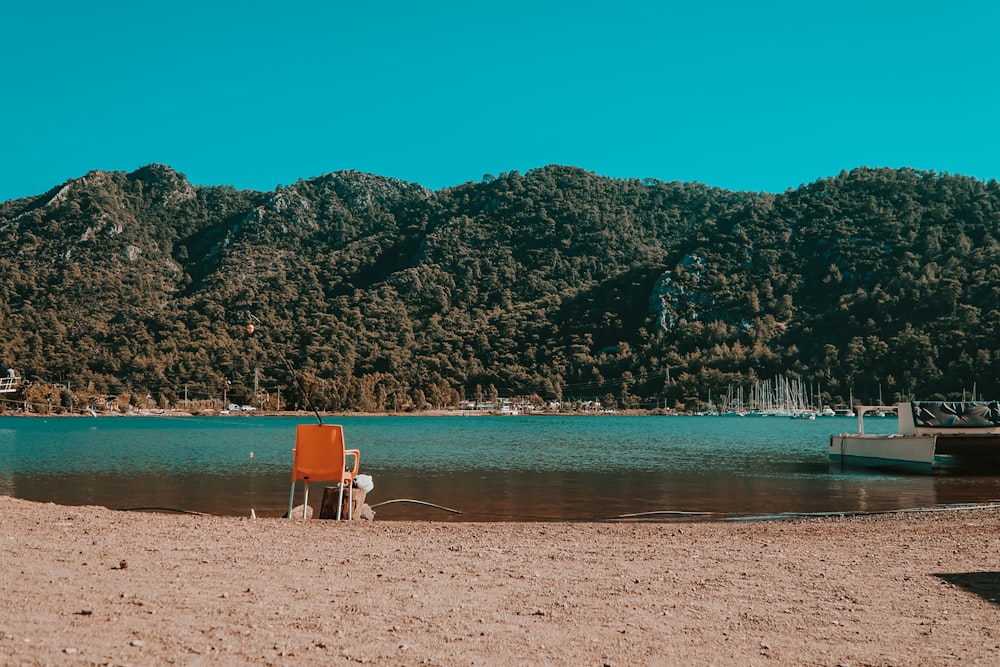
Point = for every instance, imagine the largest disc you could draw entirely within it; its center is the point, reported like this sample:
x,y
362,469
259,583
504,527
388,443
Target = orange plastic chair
x,y
320,457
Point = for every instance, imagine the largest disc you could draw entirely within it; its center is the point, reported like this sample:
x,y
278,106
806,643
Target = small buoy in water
x,y
250,328
251,454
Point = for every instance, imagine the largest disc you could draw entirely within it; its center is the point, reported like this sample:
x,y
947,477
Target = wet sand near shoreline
x,y
88,585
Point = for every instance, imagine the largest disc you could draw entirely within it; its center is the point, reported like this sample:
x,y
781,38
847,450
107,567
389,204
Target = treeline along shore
x,y
354,292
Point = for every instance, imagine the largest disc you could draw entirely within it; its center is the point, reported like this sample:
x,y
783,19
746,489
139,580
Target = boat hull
x,y
912,453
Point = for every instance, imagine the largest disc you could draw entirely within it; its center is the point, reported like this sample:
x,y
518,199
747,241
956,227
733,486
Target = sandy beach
x,y
92,586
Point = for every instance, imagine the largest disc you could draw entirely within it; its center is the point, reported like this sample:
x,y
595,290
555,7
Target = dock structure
x,y
9,382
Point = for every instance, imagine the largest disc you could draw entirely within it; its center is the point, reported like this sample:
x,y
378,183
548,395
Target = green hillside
x,y
559,284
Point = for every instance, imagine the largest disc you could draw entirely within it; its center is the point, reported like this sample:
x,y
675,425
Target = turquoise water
x,y
489,468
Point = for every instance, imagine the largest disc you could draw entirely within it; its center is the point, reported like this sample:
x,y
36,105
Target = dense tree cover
x,y
369,293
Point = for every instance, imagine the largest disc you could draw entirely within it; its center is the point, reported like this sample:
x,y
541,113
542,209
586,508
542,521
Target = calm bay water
x,y
489,468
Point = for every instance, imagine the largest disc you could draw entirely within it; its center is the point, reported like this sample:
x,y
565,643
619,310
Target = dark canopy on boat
x,y
956,414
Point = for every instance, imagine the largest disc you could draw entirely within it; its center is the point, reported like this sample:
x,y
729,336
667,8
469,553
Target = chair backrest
x,y
319,453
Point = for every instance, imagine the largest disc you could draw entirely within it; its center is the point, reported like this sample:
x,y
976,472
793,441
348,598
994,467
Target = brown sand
x,y
91,586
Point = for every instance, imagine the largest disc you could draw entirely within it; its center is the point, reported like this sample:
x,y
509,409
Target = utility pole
x,y
256,387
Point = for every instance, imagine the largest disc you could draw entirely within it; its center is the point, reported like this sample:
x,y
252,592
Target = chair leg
x,y
305,502
340,500
350,503
291,500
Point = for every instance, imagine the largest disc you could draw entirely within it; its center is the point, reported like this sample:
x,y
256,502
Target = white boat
x,y
931,435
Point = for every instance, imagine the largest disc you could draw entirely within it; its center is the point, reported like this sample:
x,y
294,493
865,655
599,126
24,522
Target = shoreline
x,y
89,584
306,413
413,413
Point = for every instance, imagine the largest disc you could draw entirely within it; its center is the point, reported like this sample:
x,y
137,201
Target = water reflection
x,y
489,469
500,497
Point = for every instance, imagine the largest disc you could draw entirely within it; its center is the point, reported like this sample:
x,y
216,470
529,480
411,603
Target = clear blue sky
x,y
741,95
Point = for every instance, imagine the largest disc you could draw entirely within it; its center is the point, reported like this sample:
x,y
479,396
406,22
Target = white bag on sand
x,y
365,482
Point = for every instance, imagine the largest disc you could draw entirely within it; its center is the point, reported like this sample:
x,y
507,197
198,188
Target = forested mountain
x,y
382,295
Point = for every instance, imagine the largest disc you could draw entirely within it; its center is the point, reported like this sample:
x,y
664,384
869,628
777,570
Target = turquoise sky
x,y
740,95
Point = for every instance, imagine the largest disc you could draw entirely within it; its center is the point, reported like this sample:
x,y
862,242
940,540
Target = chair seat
x,y
320,456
